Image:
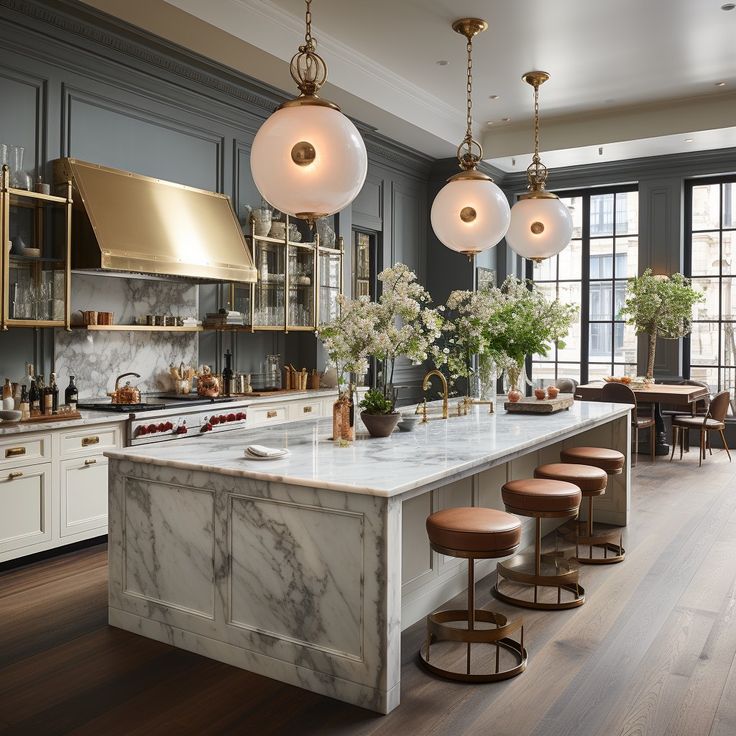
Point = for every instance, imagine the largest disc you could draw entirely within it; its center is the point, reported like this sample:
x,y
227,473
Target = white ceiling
x,y
636,76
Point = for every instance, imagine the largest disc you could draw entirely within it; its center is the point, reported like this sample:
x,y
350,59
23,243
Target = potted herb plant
x,y
378,415
660,306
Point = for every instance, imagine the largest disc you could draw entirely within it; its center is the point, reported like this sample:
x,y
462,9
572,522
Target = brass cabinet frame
x,y
35,199
316,250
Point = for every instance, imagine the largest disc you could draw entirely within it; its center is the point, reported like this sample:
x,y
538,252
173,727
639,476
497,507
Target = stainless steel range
x,y
164,418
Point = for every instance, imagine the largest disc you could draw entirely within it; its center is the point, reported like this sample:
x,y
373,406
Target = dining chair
x,y
713,421
620,393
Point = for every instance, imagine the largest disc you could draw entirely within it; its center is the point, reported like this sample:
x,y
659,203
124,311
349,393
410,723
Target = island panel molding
x,y
321,558
165,567
291,548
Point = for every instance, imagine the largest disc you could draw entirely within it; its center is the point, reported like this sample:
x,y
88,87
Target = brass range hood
x,y
128,223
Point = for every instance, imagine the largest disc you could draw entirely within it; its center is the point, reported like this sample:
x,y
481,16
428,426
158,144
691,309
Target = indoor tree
x,y
660,306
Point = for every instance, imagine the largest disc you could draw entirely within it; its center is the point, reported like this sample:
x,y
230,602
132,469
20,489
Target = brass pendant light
x,y
308,159
470,213
541,226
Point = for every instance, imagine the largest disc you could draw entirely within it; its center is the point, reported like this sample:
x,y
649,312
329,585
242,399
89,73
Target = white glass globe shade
x,y
470,215
540,228
324,181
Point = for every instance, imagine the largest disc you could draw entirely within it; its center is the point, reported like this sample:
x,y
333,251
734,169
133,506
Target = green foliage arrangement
x,y
660,306
374,402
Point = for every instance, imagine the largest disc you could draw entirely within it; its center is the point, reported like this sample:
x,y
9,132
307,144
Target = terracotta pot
x,y
514,395
539,393
380,425
552,392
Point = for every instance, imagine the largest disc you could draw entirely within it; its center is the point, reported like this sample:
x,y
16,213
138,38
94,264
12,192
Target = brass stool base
x,y
438,631
549,571
610,541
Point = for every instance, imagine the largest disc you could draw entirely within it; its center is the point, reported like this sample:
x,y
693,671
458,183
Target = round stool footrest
x,y
436,626
521,569
609,540
577,591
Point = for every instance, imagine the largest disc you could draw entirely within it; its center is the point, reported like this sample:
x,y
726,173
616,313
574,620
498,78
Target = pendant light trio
x,y
309,161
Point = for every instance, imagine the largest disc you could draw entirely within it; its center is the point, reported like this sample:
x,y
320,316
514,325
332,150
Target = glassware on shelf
x,y
18,178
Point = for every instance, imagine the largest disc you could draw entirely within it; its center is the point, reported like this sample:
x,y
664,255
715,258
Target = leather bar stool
x,y
612,540
540,498
474,533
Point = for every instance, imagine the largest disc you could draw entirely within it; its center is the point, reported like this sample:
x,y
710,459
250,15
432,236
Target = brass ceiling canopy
x,y
128,223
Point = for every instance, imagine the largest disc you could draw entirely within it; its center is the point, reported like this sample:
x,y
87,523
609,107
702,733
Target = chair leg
x,y
653,441
701,448
725,445
636,447
682,431
707,441
675,435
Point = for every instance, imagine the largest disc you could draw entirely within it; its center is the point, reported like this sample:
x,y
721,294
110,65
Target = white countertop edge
x,y
88,418
129,454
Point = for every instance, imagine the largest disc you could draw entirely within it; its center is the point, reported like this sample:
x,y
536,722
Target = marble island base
x,y
305,584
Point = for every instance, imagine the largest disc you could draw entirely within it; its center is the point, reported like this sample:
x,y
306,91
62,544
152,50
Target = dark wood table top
x,y
655,394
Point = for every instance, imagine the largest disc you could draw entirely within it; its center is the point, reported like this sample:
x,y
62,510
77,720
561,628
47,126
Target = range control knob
x,y
151,428
240,416
168,426
205,427
214,420
231,417
181,429
222,418
141,430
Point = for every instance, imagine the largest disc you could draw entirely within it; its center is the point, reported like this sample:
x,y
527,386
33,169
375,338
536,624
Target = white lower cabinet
x,y
25,509
83,495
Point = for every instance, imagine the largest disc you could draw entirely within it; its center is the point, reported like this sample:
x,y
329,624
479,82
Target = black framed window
x,y
592,272
710,261
364,263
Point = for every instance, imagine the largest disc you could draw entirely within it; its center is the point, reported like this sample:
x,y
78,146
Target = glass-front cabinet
x,y
298,280
36,231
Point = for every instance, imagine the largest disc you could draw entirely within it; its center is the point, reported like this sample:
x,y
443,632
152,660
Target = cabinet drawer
x,y
89,441
25,506
272,414
305,410
24,449
83,495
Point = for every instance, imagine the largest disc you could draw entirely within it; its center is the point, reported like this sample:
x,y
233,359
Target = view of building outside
x,y
712,343
592,272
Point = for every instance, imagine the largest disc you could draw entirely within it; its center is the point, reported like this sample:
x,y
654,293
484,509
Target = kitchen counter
x,y
88,418
306,569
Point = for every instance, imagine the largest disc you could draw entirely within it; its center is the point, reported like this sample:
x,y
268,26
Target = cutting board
x,y
531,405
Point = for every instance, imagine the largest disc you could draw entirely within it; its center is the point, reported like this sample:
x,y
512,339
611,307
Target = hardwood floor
x,y
651,652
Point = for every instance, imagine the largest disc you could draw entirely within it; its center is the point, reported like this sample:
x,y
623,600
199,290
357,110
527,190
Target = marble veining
x,y
383,467
95,358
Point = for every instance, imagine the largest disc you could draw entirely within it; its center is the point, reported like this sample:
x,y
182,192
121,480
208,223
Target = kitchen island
x,y
307,568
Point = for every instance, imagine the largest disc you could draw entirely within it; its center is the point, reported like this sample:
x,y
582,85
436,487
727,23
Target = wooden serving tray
x,y
51,418
531,405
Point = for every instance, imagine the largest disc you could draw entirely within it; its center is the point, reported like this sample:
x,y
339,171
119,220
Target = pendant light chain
x,y
308,41
469,90
537,171
473,150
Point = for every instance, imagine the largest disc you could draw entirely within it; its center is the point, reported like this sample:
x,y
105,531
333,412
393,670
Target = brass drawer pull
x,y
17,474
307,409
91,461
87,441
15,451
271,414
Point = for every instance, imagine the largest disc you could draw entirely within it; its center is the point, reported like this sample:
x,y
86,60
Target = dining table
x,y
655,394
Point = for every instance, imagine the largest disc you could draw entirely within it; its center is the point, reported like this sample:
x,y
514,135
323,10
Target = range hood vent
x,y
129,223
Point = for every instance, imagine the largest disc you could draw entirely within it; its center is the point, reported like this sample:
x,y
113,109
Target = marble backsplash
x,y
95,358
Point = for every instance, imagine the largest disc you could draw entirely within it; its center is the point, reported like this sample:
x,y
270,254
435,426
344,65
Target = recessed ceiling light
x,y
441,62
688,140
728,6
490,122
720,84
493,97
505,120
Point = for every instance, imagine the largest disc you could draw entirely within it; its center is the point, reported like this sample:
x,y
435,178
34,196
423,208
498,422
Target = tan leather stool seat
x,y
612,461
474,529
537,494
589,479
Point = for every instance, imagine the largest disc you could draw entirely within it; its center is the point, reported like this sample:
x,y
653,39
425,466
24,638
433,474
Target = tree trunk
x,y
651,352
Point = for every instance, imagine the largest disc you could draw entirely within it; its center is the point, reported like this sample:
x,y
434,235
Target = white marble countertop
x,y
381,467
88,417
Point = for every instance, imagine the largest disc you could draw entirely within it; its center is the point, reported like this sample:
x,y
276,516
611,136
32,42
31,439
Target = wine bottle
x,y
24,406
71,395
54,394
47,401
228,382
34,398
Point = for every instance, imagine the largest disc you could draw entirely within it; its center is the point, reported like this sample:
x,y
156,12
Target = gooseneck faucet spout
x,y
445,392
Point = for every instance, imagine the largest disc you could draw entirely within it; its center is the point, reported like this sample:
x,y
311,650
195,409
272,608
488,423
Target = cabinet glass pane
x,y
301,287
330,265
37,261
269,289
